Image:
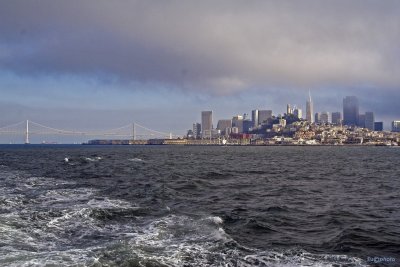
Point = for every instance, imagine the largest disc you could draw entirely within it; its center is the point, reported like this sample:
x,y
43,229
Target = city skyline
x,y
100,64
349,115
209,116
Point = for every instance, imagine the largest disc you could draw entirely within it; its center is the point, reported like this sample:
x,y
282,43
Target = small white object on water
x,y
66,159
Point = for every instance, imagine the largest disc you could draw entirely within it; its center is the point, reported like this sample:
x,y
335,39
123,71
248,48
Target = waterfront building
x,y
309,109
189,134
336,118
254,118
350,110
369,121
396,126
237,121
264,115
378,126
223,125
206,124
196,130
215,133
234,130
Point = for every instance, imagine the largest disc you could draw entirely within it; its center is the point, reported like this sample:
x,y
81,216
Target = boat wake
x,y
48,221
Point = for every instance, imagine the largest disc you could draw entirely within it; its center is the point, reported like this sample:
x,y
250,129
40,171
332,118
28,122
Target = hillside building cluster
x,y
264,128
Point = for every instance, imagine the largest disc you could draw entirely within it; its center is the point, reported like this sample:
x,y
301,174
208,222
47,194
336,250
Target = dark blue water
x,y
199,206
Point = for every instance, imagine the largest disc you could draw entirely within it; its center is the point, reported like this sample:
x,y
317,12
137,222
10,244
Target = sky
x,y
97,64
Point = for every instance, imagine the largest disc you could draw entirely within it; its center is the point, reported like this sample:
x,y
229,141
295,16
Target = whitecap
x,y
136,160
216,219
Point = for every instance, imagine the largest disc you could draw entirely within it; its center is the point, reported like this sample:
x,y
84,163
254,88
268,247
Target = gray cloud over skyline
x,y
213,47
99,64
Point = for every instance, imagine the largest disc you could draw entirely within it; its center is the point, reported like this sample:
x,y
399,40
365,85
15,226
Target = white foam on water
x,y
300,258
32,237
71,257
106,203
216,219
136,160
90,159
188,241
37,226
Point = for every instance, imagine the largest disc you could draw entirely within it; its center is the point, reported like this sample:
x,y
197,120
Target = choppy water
x,y
198,206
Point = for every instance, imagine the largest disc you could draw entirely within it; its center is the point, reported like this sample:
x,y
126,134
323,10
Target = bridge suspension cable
x,y
129,130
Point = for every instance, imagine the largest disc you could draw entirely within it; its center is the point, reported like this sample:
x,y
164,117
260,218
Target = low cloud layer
x,y
216,47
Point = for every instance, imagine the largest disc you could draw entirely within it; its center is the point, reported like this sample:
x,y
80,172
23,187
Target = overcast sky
x,y
103,64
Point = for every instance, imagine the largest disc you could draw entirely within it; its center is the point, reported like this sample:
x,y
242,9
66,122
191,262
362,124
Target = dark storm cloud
x,y
215,46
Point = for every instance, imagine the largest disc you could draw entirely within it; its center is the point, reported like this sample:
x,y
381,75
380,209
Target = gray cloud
x,y
219,47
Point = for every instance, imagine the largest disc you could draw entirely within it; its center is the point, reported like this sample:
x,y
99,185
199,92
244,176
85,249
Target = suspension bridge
x,y
133,131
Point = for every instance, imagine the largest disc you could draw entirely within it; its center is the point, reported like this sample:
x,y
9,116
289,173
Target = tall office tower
x,y
206,124
378,126
289,110
264,115
396,126
324,117
317,117
350,110
361,120
369,121
298,113
254,117
196,130
237,122
336,118
309,109
223,125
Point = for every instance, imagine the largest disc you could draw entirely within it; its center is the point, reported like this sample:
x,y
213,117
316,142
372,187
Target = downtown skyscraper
x,y
206,123
350,111
369,121
309,109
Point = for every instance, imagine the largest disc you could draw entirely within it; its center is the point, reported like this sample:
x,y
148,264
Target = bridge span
x,y
132,131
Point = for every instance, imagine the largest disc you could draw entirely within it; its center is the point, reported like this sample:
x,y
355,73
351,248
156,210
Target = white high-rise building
x,y
309,109
196,130
289,109
254,117
298,113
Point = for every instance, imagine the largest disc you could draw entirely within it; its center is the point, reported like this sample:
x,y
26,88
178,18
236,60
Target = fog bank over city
x,y
161,63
